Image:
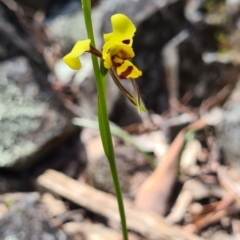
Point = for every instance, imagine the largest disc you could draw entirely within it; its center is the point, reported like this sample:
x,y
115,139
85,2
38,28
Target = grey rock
x,y
27,219
29,124
70,28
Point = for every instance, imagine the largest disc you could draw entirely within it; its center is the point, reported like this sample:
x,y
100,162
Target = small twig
x,y
224,207
171,65
154,193
228,182
217,99
149,225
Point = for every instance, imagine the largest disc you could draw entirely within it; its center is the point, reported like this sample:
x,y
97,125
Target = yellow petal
x,y
107,61
122,26
106,48
107,36
123,32
73,63
72,58
127,70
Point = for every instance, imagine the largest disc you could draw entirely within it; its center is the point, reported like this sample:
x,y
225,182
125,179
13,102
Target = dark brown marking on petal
x,y
116,64
124,74
113,62
127,41
112,59
123,55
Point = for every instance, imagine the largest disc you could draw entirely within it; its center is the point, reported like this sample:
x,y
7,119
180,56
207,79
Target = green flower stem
x,y
103,118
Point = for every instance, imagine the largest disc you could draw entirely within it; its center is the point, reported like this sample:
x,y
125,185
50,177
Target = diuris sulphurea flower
x,y
117,50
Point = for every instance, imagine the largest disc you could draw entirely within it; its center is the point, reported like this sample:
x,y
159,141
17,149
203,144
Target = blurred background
x,y
178,163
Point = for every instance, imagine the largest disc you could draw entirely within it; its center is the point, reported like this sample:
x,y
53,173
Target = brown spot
x,y
122,54
127,41
116,64
124,74
113,62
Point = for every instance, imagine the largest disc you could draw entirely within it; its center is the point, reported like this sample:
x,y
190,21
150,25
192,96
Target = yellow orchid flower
x,y
72,58
118,47
116,50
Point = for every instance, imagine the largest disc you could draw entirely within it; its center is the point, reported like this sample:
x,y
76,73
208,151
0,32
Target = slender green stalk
x,y
103,118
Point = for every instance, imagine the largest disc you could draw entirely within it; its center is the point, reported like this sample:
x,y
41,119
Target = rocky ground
x,y
178,164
